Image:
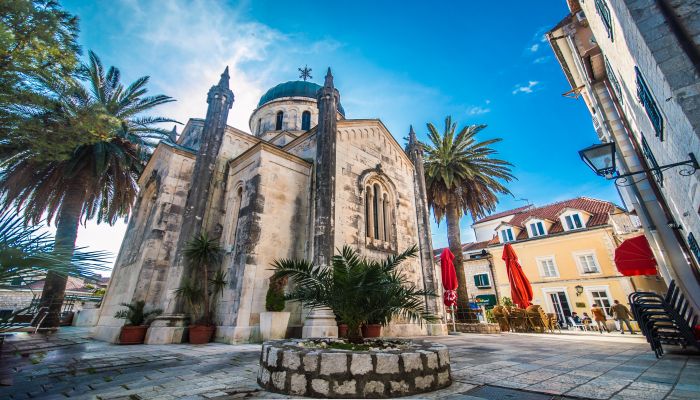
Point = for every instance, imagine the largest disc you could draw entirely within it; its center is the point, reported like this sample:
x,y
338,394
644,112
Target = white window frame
x,y
548,301
562,219
512,234
533,234
577,259
488,276
540,268
599,288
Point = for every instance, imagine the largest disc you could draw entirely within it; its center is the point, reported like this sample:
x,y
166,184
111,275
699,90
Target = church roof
x,y
294,89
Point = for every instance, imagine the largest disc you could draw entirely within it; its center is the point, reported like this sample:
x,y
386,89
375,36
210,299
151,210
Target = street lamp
x,y
601,159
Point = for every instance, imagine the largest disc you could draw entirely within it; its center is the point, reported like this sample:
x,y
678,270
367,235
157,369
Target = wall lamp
x,y
579,289
601,159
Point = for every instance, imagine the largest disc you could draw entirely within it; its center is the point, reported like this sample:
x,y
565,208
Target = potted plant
x,y
273,322
137,320
352,286
201,253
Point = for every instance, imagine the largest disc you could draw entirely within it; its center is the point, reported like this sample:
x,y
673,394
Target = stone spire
x,y
220,100
173,135
321,321
415,153
328,98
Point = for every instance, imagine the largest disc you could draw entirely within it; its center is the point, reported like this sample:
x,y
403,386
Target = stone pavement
x,y
519,366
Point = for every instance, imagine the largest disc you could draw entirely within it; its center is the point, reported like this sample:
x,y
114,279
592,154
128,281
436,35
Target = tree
x,y
462,177
38,53
357,289
201,253
99,180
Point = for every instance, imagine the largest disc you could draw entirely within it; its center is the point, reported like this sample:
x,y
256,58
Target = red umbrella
x,y
449,277
520,289
634,257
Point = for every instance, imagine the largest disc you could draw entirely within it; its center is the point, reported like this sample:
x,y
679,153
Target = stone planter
x,y
294,368
273,324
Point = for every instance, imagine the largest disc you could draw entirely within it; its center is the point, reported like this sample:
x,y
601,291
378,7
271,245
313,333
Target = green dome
x,y
293,89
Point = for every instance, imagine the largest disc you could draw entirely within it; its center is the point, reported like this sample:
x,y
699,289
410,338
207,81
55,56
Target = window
x,y
602,9
377,213
547,267
588,263
507,235
536,229
482,281
613,80
600,298
654,166
652,110
694,246
278,122
573,221
305,121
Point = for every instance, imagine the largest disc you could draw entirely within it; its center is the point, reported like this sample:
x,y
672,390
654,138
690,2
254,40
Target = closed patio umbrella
x,y
449,281
520,288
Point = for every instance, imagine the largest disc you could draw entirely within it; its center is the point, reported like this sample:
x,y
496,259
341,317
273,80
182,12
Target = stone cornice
x,y
264,146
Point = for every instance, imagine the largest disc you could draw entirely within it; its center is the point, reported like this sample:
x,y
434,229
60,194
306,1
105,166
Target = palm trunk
x,y
452,215
64,245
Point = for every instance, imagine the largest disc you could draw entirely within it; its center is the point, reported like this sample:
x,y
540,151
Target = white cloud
x,y
522,88
477,110
541,60
534,47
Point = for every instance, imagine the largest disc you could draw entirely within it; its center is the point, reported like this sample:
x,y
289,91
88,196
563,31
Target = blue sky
x,y
405,63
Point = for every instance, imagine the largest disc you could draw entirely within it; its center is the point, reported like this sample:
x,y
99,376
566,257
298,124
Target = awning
x,y
634,257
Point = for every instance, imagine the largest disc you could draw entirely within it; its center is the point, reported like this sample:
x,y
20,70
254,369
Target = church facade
x,y
305,182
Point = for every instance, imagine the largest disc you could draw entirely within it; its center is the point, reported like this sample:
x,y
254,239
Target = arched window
x,y
259,125
306,121
278,122
378,219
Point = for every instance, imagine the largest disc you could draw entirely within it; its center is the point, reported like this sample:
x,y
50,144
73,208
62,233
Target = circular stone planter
x,y
307,367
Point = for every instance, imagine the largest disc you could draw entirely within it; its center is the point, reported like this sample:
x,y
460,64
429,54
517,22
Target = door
x,y
561,306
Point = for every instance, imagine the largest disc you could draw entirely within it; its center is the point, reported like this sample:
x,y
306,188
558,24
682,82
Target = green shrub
x,y
274,300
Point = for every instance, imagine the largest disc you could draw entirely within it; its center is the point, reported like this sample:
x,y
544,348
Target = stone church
x,y
305,182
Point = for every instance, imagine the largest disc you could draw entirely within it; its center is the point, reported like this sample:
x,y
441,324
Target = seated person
x,y
575,317
586,319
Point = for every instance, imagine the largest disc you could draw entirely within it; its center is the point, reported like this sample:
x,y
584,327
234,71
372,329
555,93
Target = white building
x,y
635,63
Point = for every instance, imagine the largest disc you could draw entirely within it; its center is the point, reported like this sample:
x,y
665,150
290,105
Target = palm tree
x,y
99,179
462,177
357,289
202,253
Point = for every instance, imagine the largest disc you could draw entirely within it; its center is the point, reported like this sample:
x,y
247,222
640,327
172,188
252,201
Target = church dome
x,y
294,89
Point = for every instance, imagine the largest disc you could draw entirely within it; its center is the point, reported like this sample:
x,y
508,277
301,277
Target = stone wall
x,y
643,38
285,367
271,224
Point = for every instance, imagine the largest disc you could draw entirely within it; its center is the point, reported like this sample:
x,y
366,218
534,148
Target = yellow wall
x,y
564,248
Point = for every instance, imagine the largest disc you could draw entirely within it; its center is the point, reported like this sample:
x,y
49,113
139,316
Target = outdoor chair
x,y
536,318
518,320
501,315
575,325
553,322
665,320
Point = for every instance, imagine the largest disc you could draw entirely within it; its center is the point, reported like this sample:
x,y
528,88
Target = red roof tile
x,y
504,214
599,210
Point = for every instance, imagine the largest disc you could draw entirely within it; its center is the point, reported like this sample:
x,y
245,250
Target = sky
x,y
407,63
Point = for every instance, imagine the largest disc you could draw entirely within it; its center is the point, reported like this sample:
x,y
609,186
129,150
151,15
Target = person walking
x,y
622,315
599,318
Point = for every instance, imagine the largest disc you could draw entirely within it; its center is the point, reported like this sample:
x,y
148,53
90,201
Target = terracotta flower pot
x,y
201,334
371,330
132,334
342,331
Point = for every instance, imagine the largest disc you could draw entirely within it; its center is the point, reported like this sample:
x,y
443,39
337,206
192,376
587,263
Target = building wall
x,y
563,248
478,266
141,271
361,146
263,120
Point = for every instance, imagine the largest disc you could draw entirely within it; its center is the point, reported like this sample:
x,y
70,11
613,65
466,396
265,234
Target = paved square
x,y
69,365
